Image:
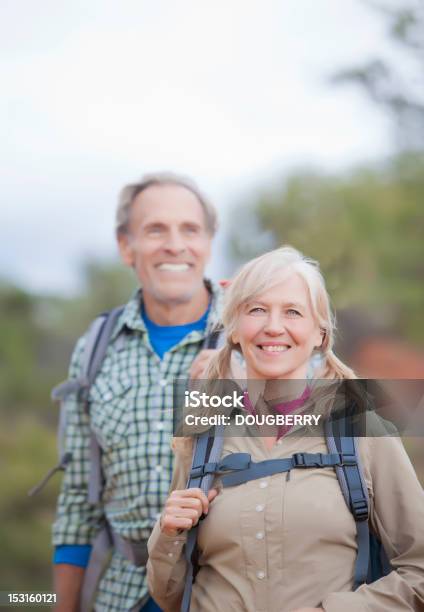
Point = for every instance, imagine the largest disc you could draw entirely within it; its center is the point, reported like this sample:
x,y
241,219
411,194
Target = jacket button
x,y
260,575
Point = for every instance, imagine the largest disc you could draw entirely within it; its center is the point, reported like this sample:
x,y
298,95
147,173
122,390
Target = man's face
x,y
167,243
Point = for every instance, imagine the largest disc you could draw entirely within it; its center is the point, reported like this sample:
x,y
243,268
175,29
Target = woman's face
x,y
277,331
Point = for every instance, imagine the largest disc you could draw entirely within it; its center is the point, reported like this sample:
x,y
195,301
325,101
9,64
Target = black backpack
x,y
236,468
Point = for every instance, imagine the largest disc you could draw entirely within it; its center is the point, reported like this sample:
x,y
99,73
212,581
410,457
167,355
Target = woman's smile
x,y
274,349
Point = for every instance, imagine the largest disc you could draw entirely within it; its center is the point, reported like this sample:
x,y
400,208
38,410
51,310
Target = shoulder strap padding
x,y
340,438
97,339
96,348
97,343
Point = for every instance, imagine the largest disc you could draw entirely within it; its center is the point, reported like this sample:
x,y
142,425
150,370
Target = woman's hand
x,y
183,510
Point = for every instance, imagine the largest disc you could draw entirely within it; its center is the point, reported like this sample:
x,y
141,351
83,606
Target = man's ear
x,y
126,249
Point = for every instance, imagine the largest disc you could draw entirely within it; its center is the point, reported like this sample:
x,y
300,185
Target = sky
x,y
234,94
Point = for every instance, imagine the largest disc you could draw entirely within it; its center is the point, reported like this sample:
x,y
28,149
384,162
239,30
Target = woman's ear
x,y
234,338
322,335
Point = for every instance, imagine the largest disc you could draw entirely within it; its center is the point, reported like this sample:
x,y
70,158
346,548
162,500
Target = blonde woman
x,y
287,542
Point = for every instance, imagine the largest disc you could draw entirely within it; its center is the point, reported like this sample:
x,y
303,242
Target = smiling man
x,y
164,231
167,240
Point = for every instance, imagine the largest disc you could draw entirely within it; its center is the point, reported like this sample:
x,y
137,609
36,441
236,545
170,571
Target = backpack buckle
x,y
203,470
347,459
197,472
360,509
299,460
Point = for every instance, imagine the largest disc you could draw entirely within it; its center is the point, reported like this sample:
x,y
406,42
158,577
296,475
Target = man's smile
x,y
174,267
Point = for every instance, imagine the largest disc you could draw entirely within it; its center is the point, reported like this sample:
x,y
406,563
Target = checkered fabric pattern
x,y
131,415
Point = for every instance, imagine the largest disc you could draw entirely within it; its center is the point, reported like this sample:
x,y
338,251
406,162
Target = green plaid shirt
x,y
131,415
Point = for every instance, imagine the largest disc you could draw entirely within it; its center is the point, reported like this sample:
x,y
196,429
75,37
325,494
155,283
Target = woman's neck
x,y
276,390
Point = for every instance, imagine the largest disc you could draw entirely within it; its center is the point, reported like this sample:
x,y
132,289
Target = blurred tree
x,y
38,333
19,381
396,82
365,228
27,449
105,284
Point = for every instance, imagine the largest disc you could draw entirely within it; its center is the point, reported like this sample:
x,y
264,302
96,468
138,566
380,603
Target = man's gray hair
x,y
131,191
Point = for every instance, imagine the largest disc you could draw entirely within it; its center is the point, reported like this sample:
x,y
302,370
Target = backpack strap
x,y
340,438
207,446
238,468
78,385
214,339
96,347
97,342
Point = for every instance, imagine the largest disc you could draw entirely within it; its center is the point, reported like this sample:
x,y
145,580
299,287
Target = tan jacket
x,y
278,543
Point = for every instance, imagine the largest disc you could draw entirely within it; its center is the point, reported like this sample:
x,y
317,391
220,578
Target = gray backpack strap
x,y
92,342
61,466
97,344
96,347
95,350
208,447
79,385
99,557
105,541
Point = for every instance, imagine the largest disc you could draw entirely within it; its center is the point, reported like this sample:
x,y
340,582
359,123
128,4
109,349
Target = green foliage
x,y
27,449
105,284
365,228
38,333
19,381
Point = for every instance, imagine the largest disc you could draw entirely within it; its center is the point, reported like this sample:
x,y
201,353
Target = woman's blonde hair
x,y
263,273
256,277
